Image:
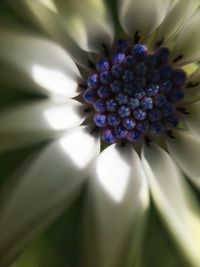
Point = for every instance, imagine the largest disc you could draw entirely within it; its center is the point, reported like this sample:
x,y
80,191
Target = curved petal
x,y
22,83
193,119
142,16
48,65
82,19
174,201
37,121
188,41
116,209
45,16
71,23
42,189
176,18
185,149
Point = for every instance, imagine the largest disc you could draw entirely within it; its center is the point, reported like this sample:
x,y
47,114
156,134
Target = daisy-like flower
x,y
119,106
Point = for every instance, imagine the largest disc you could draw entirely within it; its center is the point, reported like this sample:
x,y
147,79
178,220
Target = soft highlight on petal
x,y
44,15
116,209
185,149
141,16
48,181
176,17
31,122
81,146
56,81
174,200
188,41
22,82
46,62
82,19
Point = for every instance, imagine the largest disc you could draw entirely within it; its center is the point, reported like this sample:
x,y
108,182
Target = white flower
x,y
52,61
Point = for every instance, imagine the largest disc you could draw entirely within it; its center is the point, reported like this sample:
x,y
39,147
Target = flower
x,y
53,55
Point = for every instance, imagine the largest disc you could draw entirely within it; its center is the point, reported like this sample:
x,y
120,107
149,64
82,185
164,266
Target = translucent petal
x,y
22,82
73,24
143,16
174,201
48,65
176,18
116,209
36,121
55,80
188,41
42,189
185,150
82,19
45,16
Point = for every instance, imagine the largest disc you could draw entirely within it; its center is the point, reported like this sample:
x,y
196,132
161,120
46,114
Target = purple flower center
x,y
134,93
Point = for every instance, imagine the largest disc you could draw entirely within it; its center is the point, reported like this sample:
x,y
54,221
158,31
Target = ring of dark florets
x,y
134,93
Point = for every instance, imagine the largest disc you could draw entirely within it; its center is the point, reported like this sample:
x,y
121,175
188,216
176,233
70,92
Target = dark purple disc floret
x,y
134,93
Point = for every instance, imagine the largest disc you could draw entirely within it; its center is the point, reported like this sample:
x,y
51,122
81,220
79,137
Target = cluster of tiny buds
x,y
134,93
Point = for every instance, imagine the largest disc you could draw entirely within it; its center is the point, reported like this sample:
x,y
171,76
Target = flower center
x,y
134,93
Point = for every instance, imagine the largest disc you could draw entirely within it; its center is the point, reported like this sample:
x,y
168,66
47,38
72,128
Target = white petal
x,y
37,121
43,189
188,41
185,150
174,201
193,119
48,65
82,19
45,16
118,199
143,16
55,81
73,24
176,18
14,81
